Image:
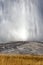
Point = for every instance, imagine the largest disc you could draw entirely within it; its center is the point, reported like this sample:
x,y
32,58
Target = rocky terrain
x,y
22,47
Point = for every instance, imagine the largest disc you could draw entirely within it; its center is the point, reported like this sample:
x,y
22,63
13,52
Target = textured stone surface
x,y
22,48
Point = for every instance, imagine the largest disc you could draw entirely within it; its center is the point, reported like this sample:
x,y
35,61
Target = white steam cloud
x,y
20,20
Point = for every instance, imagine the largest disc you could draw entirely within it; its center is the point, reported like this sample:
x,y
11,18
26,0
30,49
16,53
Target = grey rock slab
x,y
22,48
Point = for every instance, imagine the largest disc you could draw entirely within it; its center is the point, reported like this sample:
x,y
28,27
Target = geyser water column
x,y
22,31
18,30
24,20
20,20
32,19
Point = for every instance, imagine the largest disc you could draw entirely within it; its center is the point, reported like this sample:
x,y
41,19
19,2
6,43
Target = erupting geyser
x,y
20,20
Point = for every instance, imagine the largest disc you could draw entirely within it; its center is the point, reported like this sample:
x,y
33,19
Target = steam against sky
x,y
21,20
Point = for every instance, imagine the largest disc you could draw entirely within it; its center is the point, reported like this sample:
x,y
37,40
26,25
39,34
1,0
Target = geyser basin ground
x,y
21,53
34,48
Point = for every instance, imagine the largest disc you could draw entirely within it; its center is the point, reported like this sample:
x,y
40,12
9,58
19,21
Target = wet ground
x,y
22,48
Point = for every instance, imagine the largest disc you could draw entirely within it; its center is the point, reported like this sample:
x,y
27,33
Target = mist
x,y
21,20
